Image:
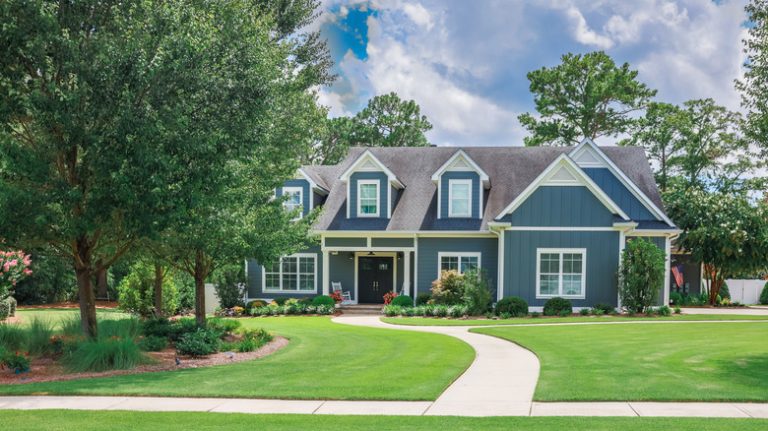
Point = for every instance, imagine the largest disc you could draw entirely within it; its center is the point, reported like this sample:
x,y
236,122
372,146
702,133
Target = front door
x,y
374,278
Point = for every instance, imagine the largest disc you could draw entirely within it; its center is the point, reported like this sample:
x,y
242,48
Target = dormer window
x,y
294,198
459,198
368,198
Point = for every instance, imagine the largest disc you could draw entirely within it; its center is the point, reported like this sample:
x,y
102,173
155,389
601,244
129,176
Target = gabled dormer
x,y
461,186
615,183
371,188
301,192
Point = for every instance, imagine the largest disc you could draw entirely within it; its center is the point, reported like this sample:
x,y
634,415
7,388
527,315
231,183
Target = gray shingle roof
x,y
511,170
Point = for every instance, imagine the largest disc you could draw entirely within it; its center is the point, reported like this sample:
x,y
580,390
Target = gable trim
x,y
629,184
312,184
461,154
563,162
368,156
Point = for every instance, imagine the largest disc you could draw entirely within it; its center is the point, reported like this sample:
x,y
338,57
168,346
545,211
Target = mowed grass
x,y
432,321
661,362
67,420
324,360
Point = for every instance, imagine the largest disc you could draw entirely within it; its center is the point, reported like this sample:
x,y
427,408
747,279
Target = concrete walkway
x,y
500,382
746,311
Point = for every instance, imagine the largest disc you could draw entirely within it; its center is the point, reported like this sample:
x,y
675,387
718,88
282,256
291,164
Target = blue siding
x,y
602,263
306,194
611,185
428,249
460,175
254,286
383,191
561,206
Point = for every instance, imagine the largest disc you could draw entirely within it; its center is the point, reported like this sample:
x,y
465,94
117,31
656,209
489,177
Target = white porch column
x,y
667,267
326,273
406,273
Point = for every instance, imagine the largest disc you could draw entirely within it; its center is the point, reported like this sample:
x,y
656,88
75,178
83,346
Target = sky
x,y
465,61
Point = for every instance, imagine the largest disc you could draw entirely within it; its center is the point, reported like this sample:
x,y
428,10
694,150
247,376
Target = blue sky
x,y
465,62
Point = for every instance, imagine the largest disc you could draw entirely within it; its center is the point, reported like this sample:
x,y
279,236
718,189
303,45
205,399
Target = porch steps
x,y
362,309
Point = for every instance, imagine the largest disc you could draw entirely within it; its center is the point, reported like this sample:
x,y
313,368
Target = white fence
x,y
745,291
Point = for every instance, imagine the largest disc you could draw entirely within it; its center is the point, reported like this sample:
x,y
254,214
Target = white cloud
x,y
418,14
583,33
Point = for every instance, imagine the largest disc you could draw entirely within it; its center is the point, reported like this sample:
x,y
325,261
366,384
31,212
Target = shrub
x,y
535,314
129,328
153,343
565,313
598,311
663,311
584,311
423,298
323,300
281,301
15,362
5,309
477,292
12,306
403,301
223,326
675,298
440,310
253,339
556,306
12,337
514,305
764,295
392,310
201,342
229,282
641,274
678,310
725,293
182,326
38,337
448,289
606,308
459,310
135,293
157,327
103,354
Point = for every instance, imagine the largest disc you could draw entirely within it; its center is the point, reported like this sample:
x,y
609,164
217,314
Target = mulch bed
x,y
48,370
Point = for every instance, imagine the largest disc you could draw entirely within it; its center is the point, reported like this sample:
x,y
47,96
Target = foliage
x,y
556,306
754,85
201,342
136,291
678,310
299,308
153,343
725,231
448,289
5,309
429,310
181,327
764,295
37,336
606,308
323,300
724,293
13,337
104,354
156,327
389,296
664,311
402,301
337,296
14,266
584,311
15,362
477,292
52,280
514,305
253,339
423,298
641,274
223,326
230,285
11,306
584,96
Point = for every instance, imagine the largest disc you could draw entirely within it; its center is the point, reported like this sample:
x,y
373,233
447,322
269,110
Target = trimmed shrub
x,y
448,289
153,343
477,292
556,306
640,275
229,282
514,305
201,342
323,300
423,298
402,301
764,295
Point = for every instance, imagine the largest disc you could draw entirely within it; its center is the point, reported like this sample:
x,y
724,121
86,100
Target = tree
x,y
584,96
641,274
723,230
387,121
754,86
116,116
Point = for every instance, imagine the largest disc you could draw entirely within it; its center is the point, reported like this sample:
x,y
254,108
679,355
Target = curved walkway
x,y
500,382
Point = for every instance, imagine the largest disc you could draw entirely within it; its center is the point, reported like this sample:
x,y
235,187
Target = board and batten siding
x,y
561,206
384,192
460,175
611,185
602,263
429,248
306,193
254,286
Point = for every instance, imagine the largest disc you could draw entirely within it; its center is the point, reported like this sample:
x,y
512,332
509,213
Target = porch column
x,y
667,268
406,273
326,273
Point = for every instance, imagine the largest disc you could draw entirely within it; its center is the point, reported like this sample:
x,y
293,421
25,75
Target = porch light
x,y
370,253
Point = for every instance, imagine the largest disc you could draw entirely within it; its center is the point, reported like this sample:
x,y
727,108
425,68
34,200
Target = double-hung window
x,y
368,198
460,262
294,200
561,272
459,198
295,273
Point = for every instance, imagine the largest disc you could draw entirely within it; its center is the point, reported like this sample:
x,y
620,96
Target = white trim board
x,y
580,178
604,161
368,156
450,165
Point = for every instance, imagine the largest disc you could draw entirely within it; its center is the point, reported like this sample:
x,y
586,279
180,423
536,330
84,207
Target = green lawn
x,y
66,420
664,362
433,321
323,360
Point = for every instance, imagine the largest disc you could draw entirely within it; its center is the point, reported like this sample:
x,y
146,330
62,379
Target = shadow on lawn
x,y
749,371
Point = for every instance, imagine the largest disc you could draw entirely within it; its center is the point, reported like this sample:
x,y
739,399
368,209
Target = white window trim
x,y
294,189
298,271
561,251
360,184
442,254
451,183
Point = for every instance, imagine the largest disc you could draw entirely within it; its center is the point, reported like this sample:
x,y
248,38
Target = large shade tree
x,y
118,118
584,96
754,85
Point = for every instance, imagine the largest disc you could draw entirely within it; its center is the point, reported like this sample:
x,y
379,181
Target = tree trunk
x,y
84,273
715,282
101,284
158,297
200,276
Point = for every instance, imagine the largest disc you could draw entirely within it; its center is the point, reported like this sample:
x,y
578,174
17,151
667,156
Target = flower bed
x,y
292,309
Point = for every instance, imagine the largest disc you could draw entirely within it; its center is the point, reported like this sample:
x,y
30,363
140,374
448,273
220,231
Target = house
x,y
540,222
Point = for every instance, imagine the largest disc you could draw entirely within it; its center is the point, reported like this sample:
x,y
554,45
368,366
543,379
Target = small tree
x,y
477,292
641,274
230,285
136,292
448,289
